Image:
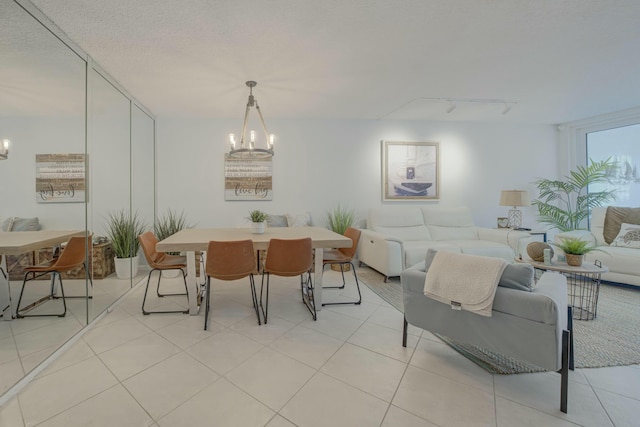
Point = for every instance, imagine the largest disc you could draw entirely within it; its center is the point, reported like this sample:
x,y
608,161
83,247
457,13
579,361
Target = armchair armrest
x,y
381,252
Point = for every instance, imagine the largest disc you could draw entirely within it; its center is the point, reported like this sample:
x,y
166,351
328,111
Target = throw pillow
x,y
276,220
518,276
629,236
5,223
615,217
25,224
299,220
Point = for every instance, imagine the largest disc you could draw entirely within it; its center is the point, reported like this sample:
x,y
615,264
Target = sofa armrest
x,y
383,253
516,240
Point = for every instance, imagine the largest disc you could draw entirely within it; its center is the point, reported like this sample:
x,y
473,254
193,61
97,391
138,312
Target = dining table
x,y
194,240
19,242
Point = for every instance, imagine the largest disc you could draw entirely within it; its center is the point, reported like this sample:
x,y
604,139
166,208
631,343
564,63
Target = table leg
x,y
317,279
6,307
193,288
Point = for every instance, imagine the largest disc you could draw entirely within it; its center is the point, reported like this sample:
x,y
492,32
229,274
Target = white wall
x,y
320,163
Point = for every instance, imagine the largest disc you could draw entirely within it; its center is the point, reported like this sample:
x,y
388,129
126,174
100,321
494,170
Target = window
x,y
622,145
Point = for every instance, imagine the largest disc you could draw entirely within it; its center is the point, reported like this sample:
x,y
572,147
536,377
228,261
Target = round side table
x,y
583,285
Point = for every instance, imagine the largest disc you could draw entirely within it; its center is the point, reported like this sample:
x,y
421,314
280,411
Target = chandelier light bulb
x,y
6,143
232,141
253,148
272,140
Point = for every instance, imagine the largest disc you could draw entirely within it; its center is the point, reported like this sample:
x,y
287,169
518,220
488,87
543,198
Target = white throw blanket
x,y
466,282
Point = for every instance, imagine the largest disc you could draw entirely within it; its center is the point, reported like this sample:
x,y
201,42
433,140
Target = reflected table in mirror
x,y
18,242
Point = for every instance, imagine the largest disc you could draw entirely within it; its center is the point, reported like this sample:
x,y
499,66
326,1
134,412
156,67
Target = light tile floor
x,y
347,369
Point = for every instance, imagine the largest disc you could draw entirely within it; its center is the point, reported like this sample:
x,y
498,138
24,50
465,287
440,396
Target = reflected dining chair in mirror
x,y
1,269
72,256
160,261
343,257
230,261
288,258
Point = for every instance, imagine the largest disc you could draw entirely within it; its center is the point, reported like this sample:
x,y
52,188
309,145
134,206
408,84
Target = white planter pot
x,y
257,227
126,268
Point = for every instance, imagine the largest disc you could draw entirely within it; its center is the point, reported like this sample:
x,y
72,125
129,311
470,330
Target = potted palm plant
x,y
338,220
566,204
123,229
257,218
575,249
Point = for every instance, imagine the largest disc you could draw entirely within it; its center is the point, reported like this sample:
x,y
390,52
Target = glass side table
x,y
583,285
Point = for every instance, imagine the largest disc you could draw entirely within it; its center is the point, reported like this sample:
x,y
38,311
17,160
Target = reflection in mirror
x,y
109,144
42,111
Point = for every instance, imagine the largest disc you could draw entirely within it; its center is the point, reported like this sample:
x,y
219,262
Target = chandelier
x,y
247,148
4,148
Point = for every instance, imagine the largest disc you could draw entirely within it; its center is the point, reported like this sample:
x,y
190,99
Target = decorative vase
x,y
574,260
257,227
126,268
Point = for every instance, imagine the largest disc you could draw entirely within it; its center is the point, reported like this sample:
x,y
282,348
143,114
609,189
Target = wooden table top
x,y
197,239
18,242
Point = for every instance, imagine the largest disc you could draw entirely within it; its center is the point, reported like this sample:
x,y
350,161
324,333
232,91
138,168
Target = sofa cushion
x,y
615,217
414,252
629,237
5,223
617,259
299,220
449,223
276,220
25,224
401,224
485,248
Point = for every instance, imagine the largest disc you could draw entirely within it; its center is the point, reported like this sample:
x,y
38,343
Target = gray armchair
x,y
529,326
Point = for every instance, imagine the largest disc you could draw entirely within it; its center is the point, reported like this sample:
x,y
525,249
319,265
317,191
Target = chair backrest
x,y
354,235
73,254
230,260
289,257
148,243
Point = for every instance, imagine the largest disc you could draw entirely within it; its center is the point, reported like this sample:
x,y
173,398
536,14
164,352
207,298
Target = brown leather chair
x,y
230,261
73,255
342,257
288,258
160,261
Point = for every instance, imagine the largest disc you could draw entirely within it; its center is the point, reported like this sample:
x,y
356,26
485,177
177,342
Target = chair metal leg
x,y
207,300
146,289
78,296
341,271
34,304
308,296
265,308
570,328
254,297
404,332
359,301
168,295
564,372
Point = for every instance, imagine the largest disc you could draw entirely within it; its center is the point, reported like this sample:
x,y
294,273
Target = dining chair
x,y
1,269
343,257
288,258
160,261
73,255
230,261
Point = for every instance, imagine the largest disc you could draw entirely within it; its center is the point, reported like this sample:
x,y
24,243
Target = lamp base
x,y
515,218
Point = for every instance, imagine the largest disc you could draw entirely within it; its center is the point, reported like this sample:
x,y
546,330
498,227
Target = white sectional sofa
x,y
623,261
399,237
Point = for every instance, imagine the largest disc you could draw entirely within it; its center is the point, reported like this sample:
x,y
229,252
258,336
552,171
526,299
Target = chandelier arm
x,y
244,125
264,126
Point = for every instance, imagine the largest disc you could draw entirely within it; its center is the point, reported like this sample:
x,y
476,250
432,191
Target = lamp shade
x,y
515,198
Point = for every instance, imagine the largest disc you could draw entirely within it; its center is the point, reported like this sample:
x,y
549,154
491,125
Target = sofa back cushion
x,y
614,217
404,224
449,223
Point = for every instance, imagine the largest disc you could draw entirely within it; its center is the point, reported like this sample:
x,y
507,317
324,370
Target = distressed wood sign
x,y
248,179
60,178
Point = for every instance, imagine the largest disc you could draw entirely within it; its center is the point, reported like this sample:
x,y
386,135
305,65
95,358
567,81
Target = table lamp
x,y
515,198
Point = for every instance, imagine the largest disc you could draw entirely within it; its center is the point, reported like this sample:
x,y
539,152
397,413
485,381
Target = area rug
x,y
612,339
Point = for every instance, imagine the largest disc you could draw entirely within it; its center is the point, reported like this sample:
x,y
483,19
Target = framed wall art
x,y
410,171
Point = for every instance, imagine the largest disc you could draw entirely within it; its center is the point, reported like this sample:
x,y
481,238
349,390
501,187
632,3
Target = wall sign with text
x,y
248,179
60,178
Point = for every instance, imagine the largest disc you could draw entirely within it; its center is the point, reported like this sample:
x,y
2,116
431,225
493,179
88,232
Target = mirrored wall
x,y
64,114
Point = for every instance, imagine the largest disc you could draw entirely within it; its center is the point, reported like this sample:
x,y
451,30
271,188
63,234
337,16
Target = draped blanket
x,y
466,282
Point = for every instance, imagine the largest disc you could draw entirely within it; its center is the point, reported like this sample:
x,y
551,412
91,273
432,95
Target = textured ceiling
x,y
552,61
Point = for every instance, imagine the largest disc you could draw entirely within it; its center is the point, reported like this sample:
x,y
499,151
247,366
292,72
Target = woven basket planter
x,y
574,260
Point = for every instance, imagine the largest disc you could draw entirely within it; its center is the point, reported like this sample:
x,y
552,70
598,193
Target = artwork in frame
x,y
60,178
410,171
